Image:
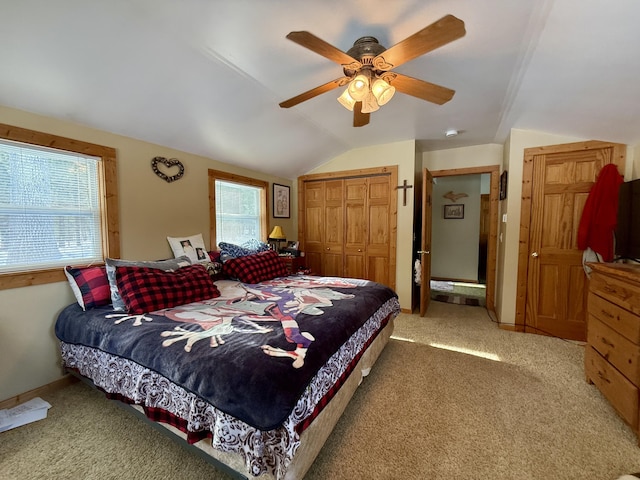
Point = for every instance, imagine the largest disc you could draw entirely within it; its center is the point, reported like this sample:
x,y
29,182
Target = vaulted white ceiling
x,y
206,76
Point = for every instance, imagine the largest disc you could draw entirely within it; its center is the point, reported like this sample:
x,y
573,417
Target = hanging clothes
x,y
600,214
417,272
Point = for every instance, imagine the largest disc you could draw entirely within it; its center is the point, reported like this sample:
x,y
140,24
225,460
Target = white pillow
x,y
193,247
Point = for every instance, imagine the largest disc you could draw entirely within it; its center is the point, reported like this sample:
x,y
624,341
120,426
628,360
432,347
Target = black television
x,y
627,232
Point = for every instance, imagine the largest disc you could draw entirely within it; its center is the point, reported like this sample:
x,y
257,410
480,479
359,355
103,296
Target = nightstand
x,y
293,264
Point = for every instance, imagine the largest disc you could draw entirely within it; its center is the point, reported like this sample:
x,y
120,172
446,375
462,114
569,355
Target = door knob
x,y
534,254
426,252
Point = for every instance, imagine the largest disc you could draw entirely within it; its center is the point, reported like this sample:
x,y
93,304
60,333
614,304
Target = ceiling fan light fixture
x,y
369,103
359,87
346,100
382,91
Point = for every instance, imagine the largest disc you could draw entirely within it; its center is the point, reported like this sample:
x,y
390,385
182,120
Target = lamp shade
x,y
382,91
359,87
346,100
369,104
277,233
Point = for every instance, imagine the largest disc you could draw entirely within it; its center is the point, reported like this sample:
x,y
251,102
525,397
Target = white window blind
x,y
49,208
237,212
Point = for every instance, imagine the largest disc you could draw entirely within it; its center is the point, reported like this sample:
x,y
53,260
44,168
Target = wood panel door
x,y
552,285
425,247
333,229
357,227
348,223
313,222
380,262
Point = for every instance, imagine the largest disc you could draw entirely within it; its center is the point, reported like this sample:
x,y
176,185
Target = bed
x,y
254,375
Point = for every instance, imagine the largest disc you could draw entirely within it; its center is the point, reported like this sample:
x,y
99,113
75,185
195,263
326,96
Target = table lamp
x,y
277,236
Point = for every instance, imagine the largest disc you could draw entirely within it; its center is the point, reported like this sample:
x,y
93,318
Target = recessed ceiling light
x,y
451,133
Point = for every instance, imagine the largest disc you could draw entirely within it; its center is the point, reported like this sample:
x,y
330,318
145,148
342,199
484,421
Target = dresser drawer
x,y
618,291
617,350
619,391
621,320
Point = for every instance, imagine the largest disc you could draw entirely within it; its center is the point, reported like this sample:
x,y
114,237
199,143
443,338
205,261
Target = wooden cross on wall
x,y
404,188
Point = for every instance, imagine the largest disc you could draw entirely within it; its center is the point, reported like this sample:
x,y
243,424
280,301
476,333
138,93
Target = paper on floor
x,y
27,412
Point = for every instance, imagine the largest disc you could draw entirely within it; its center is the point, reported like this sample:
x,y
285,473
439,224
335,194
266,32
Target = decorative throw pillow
x,y
111,264
231,250
255,268
146,290
90,286
193,247
256,245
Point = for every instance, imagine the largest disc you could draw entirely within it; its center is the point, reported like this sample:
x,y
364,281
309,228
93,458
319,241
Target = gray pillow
x,y
111,264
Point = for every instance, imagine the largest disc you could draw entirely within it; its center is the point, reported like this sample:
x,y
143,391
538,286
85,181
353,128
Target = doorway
x,y
491,226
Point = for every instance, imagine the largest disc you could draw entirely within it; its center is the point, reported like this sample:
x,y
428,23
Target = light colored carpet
x,y
434,407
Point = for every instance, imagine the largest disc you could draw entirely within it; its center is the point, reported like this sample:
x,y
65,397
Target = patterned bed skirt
x,y
263,452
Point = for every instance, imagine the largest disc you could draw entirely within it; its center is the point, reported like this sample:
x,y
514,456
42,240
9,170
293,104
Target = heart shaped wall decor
x,y
170,164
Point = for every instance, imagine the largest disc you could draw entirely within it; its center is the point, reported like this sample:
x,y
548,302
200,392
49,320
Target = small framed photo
x,y
455,211
281,208
293,245
503,185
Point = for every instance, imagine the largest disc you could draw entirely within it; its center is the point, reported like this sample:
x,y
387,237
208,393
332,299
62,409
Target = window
x,y
57,206
238,208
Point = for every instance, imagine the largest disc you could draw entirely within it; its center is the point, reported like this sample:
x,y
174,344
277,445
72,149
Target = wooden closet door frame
x,y
392,171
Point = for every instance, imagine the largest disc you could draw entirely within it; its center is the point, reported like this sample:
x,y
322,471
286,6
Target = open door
x,y
425,247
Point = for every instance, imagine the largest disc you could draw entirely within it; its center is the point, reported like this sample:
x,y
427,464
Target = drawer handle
x,y
602,377
606,314
607,342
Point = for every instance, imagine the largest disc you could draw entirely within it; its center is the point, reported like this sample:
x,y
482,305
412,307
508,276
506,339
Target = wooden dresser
x,y
612,355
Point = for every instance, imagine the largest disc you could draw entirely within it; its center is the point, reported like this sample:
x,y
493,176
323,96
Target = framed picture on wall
x,y
281,202
455,211
503,185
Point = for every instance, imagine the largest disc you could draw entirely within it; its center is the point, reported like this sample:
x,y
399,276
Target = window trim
x,y
232,177
108,179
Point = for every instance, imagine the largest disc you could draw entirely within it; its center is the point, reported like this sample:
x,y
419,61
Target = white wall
x,y
150,210
454,242
463,157
401,154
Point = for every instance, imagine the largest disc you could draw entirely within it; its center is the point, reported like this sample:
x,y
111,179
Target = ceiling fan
x,y
367,68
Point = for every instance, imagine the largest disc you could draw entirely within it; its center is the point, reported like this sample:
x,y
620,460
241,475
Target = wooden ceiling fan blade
x,y
360,119
445,30
315,44
419,88
314,92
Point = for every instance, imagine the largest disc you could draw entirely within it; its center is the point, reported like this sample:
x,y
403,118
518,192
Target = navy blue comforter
x,y
250,352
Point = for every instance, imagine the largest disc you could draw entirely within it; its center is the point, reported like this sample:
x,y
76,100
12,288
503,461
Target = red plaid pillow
x,y
90,286
255,268
146,290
